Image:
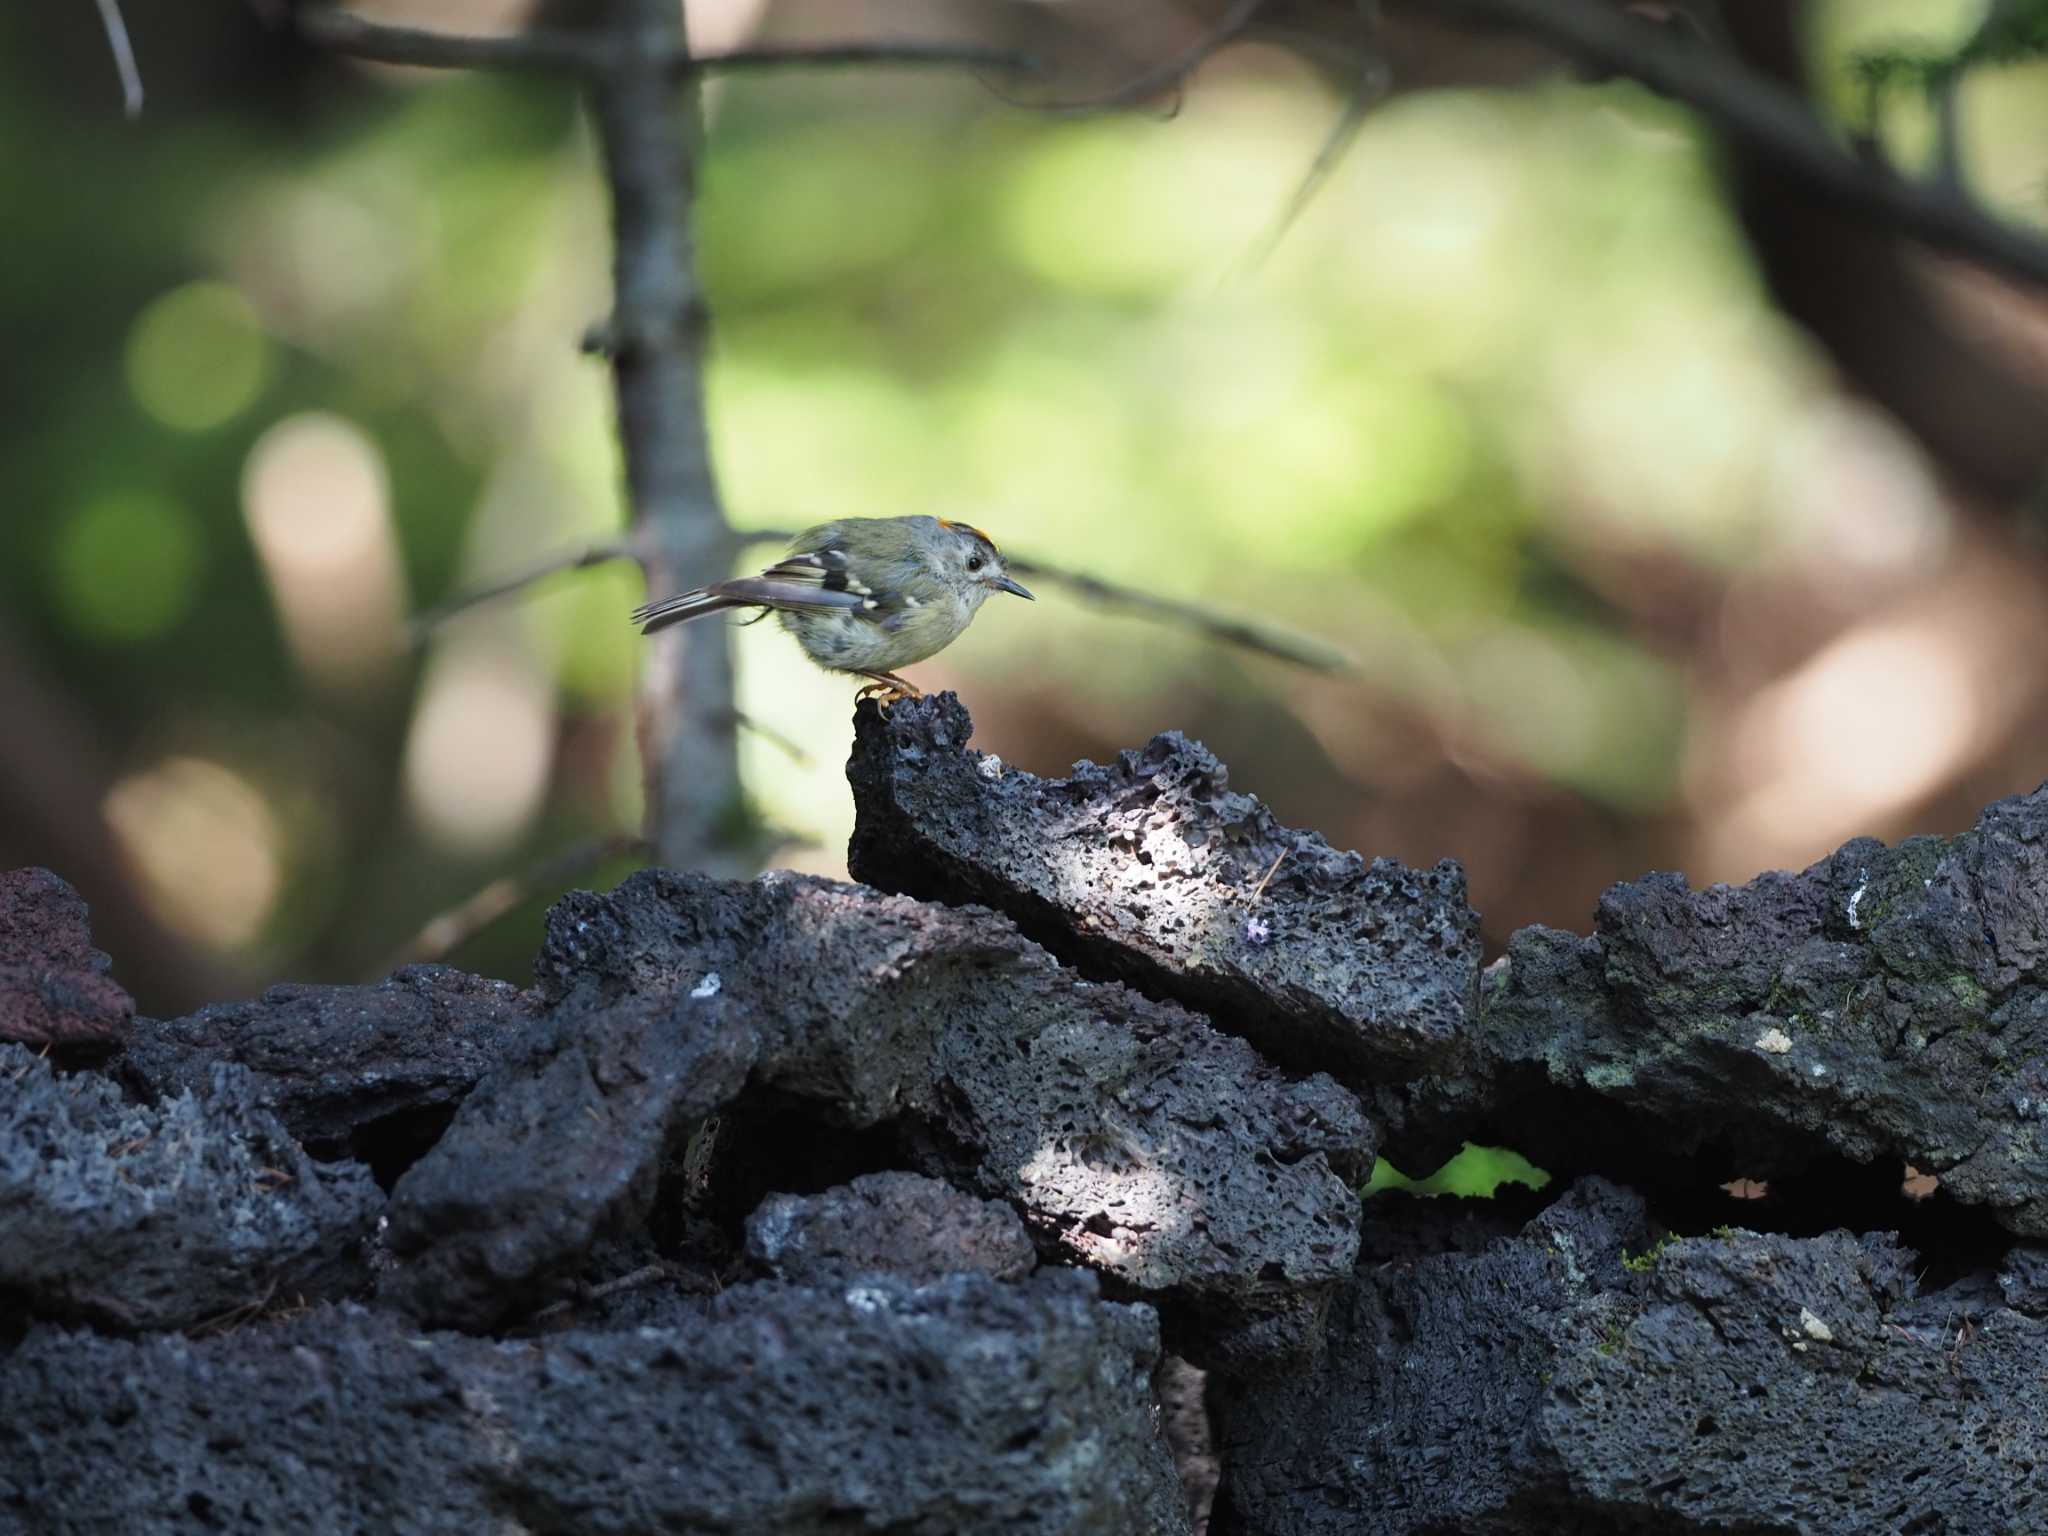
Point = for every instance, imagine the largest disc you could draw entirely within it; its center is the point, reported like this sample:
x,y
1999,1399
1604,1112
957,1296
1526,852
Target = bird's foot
x,y
886,689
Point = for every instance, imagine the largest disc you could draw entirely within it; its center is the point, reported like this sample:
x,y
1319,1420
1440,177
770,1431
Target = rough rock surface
x,y
893,1223
692,1045
55,989
1732,1382
168,1216
559,1147
963,1405
1131,1136
1151,870
338,1064
1886,1004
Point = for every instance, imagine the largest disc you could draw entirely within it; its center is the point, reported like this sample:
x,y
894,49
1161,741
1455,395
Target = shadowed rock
x,y
560,1146
1733,1382
168,1216
340,1065
894,1223
1150,869
1888,1004
54,986
964,1405
1129,1135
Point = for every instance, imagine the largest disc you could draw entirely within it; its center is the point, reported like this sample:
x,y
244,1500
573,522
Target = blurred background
x,y
1671,521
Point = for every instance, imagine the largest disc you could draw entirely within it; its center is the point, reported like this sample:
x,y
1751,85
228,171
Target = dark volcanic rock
x,y
1887,1004
895,1223
1734,1382
167,1216
335,1063
54,986
1150,869
560,1146
966,1405
1131,1136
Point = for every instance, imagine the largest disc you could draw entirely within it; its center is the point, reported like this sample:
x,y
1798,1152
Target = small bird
x,y
864,595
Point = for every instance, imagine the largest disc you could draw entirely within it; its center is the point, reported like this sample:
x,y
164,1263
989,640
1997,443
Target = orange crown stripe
x,y
967,528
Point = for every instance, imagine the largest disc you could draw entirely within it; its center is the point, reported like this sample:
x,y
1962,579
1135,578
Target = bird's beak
x,y
1005,584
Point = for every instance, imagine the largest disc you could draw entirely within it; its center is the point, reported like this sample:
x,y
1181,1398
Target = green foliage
x,y
2013,32
1476,1172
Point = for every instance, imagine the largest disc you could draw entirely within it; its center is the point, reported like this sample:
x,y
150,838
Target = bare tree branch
x,y
1373,80
650,129
598,52
424,624
447,930
839,55
1167,74
124,56
1297,650
343,31
1773,122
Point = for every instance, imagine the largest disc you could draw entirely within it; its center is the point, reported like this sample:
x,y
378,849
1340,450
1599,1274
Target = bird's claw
x,y
887,691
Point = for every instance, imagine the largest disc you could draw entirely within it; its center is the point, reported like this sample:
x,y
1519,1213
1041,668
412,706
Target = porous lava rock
x,y
1153,871
558,1148
55,988
965,1404
342,1067
1885,1005
1130,1136
169,1215
1575,1377
892,1223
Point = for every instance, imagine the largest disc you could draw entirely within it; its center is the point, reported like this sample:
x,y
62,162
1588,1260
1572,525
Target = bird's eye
x,y
974,562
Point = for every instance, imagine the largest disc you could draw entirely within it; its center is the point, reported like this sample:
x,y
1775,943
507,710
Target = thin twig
x,y
899,51
466,919
343,31
424,624
597,52
1298,650
1375,79
1167,74
795,753
1267,879
1776,124
124,56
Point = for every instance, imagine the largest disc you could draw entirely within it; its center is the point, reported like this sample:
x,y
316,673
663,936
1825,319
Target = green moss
x,y
1969,992
1642,1263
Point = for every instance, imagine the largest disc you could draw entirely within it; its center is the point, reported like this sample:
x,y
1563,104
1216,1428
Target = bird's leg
x,y
887,685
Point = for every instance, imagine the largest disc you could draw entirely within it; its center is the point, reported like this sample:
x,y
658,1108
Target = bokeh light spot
x,y
482,744
205,846
126,566
318,505
197,356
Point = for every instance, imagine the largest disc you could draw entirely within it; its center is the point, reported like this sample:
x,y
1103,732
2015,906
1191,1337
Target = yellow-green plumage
x,y
864,595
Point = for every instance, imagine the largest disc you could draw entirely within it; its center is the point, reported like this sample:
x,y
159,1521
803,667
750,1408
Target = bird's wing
x,y
823,567
771,589
774,588
807,581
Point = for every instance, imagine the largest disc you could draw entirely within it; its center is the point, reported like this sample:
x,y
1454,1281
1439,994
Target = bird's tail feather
x,y
760,592
682,608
